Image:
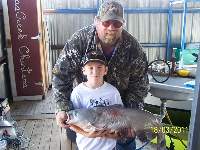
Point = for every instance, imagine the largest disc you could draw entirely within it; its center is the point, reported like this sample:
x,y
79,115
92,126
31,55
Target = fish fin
x,y
91,128
145,135
158,117
95,127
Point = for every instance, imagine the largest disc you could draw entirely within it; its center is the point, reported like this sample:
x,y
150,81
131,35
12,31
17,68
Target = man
x,y
127,63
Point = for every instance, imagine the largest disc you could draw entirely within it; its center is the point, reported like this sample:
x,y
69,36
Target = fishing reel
x,y
10,137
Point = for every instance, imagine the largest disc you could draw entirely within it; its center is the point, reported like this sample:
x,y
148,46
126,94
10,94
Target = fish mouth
x,y
68,118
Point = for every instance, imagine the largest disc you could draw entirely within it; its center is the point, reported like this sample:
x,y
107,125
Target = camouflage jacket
x,y
127,68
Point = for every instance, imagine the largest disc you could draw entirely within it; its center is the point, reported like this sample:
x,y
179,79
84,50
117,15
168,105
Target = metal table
x,y
172,89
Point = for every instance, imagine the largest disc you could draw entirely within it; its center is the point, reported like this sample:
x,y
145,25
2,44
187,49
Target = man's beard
x,y
109,40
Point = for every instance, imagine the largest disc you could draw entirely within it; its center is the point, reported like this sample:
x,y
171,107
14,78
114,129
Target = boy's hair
x,y
93,56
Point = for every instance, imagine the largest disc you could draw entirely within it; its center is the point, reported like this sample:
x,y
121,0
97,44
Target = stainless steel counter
x,y
172,89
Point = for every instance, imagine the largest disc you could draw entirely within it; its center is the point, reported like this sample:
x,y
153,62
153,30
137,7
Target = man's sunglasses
x,y
115,23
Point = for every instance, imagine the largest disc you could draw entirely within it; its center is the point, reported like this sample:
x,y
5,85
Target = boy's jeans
x,y
71,135
126,144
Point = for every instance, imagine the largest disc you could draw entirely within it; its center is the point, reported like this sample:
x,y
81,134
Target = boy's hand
x,y
61,118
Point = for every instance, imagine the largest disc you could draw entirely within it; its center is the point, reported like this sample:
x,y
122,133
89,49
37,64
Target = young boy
x,y
95,92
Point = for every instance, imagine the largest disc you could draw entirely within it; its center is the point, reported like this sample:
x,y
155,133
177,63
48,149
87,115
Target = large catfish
x,y
115,118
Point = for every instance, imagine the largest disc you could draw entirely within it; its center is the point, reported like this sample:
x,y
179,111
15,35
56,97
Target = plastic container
x,y
188,55
183,72
190,84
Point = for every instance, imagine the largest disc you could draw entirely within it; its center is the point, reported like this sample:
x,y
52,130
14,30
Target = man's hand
x,y
122,133
61,117
127,133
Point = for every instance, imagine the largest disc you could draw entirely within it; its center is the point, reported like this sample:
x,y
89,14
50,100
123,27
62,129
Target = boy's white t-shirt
x,y
84,97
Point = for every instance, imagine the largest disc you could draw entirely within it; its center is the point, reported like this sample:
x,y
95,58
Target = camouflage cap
x,y
93,56
111,10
